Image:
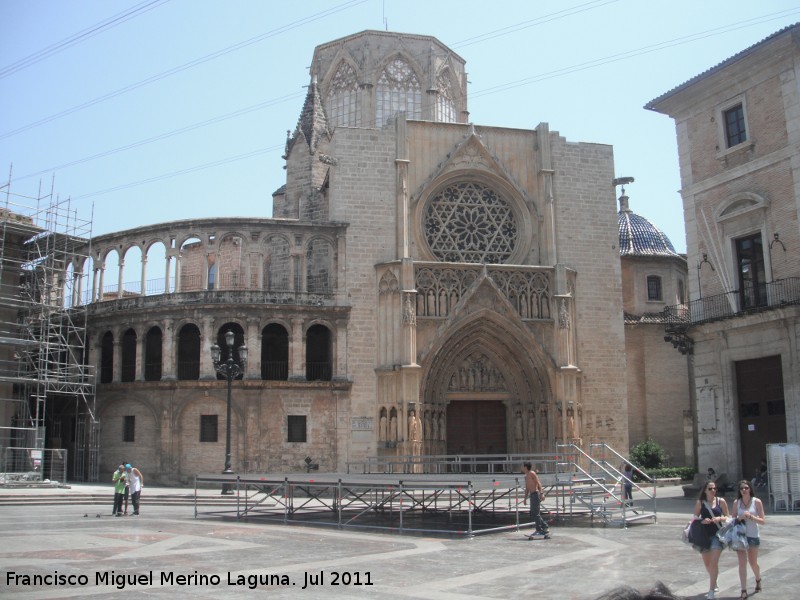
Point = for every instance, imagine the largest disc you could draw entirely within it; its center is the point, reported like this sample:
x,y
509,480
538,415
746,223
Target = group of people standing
x,y
713,512
128,482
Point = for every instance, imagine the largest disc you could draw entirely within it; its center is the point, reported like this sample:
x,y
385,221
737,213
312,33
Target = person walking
x,y
712,512
749,510
135,484
534,491
627,483
120,480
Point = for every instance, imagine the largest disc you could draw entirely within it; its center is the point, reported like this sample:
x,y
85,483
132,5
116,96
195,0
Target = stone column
x,y
117,352
208,337
297,364
120,275
143,289
252,339
168,351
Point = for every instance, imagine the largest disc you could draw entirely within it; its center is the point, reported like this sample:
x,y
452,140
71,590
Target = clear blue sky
x,y
200,93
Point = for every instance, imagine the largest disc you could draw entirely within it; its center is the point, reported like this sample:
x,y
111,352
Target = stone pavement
x,y
165,550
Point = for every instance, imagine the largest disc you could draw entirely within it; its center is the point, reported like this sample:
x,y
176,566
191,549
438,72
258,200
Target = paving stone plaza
x,y
75,553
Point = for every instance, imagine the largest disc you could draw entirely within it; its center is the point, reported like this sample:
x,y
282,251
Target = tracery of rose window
x,y
469,222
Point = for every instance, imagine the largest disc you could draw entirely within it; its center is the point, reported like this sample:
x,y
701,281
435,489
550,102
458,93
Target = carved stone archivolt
x,y
476,373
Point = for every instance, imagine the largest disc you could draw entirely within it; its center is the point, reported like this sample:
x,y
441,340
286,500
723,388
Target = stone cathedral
x,y
426,285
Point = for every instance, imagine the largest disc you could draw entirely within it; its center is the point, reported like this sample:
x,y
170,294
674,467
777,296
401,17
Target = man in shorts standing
x,y
534,491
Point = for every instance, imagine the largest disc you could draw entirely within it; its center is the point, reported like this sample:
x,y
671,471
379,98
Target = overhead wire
x,y
488,91
184,67
633,53
168,134
80,36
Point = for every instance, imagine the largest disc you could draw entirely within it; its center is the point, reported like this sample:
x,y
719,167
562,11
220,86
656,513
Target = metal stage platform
x,y
458,504
465,504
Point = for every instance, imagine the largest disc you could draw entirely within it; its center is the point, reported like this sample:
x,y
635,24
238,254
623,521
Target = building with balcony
x,y
738,132
426,286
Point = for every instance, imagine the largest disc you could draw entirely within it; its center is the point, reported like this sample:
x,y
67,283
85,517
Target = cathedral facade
x,y
425,286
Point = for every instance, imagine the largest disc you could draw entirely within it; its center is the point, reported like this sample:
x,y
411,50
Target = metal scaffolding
x,y
48,423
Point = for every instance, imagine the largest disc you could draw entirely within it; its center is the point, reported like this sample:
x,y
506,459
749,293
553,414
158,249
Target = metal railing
x,y
750,299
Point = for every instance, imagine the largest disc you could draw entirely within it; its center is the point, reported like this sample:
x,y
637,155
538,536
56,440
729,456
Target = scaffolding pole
x,y
47,396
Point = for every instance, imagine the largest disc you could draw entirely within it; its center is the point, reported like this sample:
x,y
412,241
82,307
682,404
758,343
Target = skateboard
x,y
538,536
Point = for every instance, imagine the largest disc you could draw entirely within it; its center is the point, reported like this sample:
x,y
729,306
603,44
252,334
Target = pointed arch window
x,y
398,90
344,101
445,103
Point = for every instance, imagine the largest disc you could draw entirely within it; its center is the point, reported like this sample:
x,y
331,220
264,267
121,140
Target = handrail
x,y
766,296
635,468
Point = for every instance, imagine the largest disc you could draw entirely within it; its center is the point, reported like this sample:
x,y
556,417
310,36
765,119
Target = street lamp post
x,y
230,370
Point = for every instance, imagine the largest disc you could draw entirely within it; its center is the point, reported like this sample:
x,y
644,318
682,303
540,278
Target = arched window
x,y
238,341
398,90
344,100
107,358
274,353
319,263
318,353
189,352
128,372
153,353
654,288
445,104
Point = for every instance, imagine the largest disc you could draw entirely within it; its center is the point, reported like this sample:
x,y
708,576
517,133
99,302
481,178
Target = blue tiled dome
x,y
639,237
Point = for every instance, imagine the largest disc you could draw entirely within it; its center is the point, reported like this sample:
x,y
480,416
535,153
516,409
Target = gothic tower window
x,y
470,222
344,101
398,90
445,104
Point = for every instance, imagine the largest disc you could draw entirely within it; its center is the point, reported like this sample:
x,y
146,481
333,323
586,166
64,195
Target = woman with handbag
x,y
711,512
750,511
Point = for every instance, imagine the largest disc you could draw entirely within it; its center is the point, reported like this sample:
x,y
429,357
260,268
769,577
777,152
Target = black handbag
x,y
699,535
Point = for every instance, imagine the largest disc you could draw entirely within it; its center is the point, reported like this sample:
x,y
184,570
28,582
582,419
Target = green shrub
x,y
648,455
685,473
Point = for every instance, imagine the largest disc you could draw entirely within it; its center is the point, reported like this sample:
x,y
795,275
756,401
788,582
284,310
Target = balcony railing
x,y
750,299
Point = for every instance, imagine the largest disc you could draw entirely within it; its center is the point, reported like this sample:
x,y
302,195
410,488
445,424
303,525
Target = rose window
x,y
468,222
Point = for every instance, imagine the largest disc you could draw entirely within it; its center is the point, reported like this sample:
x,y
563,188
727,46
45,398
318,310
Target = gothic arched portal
x,y
489,382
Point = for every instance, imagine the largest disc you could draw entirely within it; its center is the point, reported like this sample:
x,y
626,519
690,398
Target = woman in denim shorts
x,y
712,511
750,511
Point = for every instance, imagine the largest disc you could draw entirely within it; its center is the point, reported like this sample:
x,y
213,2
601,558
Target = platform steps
x,y
591,483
